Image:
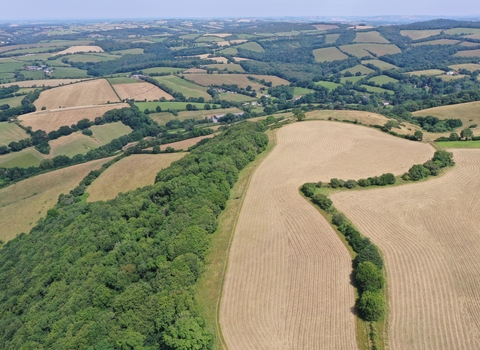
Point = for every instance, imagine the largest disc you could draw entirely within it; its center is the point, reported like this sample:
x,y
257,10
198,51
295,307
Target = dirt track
x,y
429,233
287,284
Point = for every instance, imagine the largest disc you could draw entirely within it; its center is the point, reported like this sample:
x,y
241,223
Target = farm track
x,y
287,284
429,233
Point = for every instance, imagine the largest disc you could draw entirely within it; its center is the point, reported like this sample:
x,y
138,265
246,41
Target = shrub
x,y
322,201
443,158
369,253
308,189
432,167
368,277
350,184
335,183
87,132
387,179
364,182
418,172
371,306
338,219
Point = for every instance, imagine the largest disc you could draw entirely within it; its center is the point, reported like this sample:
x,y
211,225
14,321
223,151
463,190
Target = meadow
x,y
420,34
11,132
362,50
25,158
187,88
178,106
370,37
380,64
140,91
239,79
328,54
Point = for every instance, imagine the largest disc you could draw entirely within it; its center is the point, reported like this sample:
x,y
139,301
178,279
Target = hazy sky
x,y
94,9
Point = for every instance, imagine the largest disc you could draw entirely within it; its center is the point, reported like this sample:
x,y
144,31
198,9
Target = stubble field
x,y
54,119
287,284
429,233
141,91
22,204
94,92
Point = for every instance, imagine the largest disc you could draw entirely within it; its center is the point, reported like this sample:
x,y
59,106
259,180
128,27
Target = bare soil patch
x,y
94,92
287,284
429,233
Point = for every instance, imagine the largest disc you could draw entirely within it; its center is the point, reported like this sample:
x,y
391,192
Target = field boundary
x,y
228,230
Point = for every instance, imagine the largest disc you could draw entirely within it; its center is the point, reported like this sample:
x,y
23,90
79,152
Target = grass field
x,y
361,50
229,51
140,91
128,174
300,278
438,42
235,97
54,119
427,72
68,72
229,67
178,106
298,91
12,101
164,117
252,46
468,44
80,49
187,88
91,58
128,52
352,79
240,79
427,232
468,53
377,89
451,77
468,113
11,67
33,74
370,37
459,144
331,38
472,67
420,34
329,54
24,203
87,93
162,70
328,84
208,39
463,31
380,64
11,132
358,68
383,79
31,58
77,143
25,158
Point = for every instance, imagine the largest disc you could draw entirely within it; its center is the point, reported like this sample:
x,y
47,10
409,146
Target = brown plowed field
x,y
93,92
429,233
130,173
54,119
141,91
287,284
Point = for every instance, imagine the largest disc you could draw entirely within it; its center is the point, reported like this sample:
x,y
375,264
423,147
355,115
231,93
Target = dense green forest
x,y
120,274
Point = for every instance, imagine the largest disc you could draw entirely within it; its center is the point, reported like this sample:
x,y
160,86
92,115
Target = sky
x,y
123,9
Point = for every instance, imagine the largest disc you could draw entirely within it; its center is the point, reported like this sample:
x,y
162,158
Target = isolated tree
x,y
466,134
298,113
418,135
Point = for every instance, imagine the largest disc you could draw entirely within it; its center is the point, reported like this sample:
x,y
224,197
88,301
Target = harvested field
x,y
429,233
94,92
187,88
240,79
232,67
427,72
358,68
196,70
55,118
370,37
128,174
79,49
43,82
438,42
325,26
22,204
420,34
468,53
287,284
185,144
472,67
141,91
329,54
331,38
220,35
468,113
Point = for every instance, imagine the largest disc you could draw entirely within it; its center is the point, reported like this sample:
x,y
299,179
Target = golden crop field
x,y
472,67
361,50
288,280
141,91
43,82
22,204
128,174
88,93
429,234
53,119
468,53
80,49
240,79
370,37
329,54
468,113
420,34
